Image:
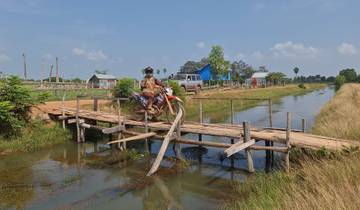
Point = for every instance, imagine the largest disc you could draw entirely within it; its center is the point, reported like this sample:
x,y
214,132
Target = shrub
x,y
178,91
16,102
123,88
36,135
339,81
9,123
302,86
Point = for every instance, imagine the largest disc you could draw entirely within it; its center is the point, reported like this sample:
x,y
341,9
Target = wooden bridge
x,y
243,137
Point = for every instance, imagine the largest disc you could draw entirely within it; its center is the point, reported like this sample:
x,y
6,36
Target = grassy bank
x,y
274,93
340,117
332,182
71,94
37,135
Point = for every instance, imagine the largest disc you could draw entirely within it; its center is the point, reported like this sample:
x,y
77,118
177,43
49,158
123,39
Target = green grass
x,y
36,136
71,94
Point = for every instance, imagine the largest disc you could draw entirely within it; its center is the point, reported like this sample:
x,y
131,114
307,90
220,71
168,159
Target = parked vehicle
x,y
161,105
189,82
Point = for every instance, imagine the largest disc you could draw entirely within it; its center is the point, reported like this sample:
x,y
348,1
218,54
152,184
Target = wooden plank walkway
x,y
297,139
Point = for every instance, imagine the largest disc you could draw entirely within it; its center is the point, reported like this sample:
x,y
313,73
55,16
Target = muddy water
x,y
89,176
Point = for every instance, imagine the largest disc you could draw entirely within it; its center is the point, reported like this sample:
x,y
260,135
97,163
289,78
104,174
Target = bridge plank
x,y
238,147
133,138
165,144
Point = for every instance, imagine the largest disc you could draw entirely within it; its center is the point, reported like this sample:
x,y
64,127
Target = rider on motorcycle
x,y
150,88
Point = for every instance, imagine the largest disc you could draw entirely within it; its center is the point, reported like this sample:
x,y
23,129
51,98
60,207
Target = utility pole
x,y
25,72
42,72
51,69
57,69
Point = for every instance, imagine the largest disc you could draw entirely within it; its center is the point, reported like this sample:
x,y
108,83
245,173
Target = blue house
x,y
205,74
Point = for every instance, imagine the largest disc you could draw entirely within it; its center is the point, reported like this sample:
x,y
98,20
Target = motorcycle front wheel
x,y
176,106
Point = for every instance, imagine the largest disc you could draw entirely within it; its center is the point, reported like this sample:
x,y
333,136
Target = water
x,y
63,178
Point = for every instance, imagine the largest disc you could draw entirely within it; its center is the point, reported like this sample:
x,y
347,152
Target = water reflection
x,y
92,176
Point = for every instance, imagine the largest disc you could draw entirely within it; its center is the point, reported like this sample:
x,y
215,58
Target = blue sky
x,y
319,36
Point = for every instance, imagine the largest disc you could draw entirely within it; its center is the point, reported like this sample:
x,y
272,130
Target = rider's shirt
x,y
149,84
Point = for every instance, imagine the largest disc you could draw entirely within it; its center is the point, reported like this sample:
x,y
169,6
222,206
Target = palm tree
x,y
296,71
164,71
157,71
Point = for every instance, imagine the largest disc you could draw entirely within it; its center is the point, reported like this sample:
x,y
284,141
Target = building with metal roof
x,y
102,81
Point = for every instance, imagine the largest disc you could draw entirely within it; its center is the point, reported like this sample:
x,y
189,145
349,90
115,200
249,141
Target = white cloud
x,y
239,56
93,55
257,55
347,49
292,50
4,58
200,45
47,56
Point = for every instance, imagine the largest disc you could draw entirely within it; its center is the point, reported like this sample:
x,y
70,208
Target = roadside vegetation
x,y
18,132
318,180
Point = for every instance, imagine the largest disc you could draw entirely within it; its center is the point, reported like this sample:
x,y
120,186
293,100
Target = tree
x,y
263,69
193,66
53,79
101,71
123,87
164,71
330,79
216,59
158,71
76,80
248,72
296,71
16,102
275,77
241,69
339,81
189,67
349,74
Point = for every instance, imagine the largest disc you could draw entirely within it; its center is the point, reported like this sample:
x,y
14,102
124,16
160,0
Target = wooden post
x,y
146,131
270,114
25,70
96,104
50,75
232,111
288,131
57,69
232,122
78,138
82,134
303,125
246,127
177,146
200,116
63,110
120,145
267,143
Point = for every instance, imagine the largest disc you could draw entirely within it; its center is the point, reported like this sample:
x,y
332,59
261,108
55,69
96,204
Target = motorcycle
x,y
164,102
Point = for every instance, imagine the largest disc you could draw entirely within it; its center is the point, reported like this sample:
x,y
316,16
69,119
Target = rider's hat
x,y
149,70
